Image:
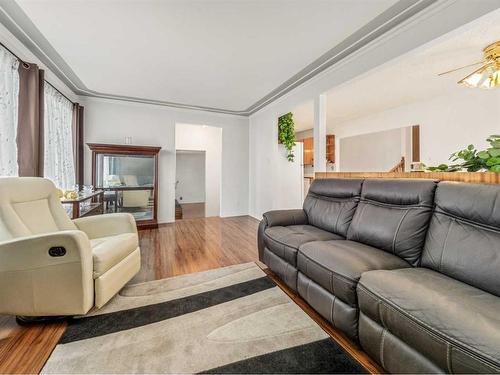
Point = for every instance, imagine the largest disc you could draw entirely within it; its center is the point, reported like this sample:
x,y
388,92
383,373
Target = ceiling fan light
x,y
486,77
495,79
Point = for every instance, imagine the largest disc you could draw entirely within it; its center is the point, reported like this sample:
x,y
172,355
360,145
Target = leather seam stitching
x,y
307,289
439,211
332,310
397,231
352,198
444,246
338,216
381,352
315,205
423,327
285,271
448,357
395,205
355,222
284,244
296,248
331,283
339,276
279,238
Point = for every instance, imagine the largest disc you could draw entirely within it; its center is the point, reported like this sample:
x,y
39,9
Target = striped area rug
x,y
228,320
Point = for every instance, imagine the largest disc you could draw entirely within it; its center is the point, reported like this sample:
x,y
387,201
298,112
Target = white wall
x,y
276,183
190,176
109,121
373,152
309,133
447,123
208,139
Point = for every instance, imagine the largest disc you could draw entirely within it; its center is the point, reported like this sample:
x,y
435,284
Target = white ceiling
x,y
218,53
410,78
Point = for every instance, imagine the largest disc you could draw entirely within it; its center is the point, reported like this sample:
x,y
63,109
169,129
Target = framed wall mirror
x,y
129,177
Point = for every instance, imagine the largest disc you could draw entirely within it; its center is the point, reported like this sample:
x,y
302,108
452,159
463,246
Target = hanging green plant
x,y
473,160
286,134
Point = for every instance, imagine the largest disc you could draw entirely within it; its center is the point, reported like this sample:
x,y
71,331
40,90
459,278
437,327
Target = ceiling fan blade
x,y
457,69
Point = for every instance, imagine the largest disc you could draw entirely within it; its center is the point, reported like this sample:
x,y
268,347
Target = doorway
x,y
207,140
190,194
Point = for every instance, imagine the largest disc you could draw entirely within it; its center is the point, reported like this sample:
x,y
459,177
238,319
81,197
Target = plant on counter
x,y
286,134
473,160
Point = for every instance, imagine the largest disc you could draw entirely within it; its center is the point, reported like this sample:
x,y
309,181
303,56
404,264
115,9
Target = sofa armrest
x,y
37,281
278,218
106,225
285,217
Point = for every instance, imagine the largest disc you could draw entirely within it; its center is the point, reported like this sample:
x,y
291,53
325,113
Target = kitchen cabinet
x,y
330,148
309,149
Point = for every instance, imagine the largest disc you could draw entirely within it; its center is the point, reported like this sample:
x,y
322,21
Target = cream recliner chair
x,y
52,266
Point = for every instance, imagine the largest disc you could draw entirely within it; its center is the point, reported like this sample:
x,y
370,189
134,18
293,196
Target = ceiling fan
x,y
488,75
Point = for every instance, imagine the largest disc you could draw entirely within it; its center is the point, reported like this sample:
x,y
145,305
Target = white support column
x,y
337,154
320,133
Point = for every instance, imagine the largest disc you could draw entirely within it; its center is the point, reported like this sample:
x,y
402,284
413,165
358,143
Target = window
x,y
9,95
59,163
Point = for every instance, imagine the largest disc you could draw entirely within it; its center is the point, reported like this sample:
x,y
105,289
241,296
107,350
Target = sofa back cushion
x,y
331,203
393,215
463,241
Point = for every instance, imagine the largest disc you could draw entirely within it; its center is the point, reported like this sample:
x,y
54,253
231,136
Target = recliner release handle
x,y
57,251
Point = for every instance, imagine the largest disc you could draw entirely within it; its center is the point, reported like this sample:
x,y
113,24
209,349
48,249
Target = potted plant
x,y
473,160
286,134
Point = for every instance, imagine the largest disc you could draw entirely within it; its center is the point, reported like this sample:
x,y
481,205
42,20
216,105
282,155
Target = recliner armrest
x,y
106,225
285,217
37,281
278,218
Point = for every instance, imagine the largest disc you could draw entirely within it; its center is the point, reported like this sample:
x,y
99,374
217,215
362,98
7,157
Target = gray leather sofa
x,y
409,269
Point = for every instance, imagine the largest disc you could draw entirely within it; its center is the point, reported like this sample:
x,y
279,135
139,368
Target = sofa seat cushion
x,y
338,265
285,241
109,251
455,325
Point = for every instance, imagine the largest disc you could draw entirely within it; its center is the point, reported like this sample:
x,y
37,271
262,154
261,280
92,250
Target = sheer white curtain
x,y
9,94
59,165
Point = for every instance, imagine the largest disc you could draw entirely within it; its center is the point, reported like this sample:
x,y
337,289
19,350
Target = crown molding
x,y
20,25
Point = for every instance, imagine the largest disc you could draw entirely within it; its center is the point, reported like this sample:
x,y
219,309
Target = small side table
x,y
85,204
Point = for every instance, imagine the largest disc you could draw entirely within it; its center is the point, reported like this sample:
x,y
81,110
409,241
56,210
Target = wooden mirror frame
x,y
101,148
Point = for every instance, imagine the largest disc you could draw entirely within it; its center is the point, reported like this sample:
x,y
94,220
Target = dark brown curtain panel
x,y
78,144
30,121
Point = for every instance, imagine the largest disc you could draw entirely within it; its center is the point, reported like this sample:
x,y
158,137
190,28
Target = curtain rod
x,y
13,54
27,64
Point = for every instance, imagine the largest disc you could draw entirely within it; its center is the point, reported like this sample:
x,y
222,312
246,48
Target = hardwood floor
x,y
186,246
193,245
24,349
